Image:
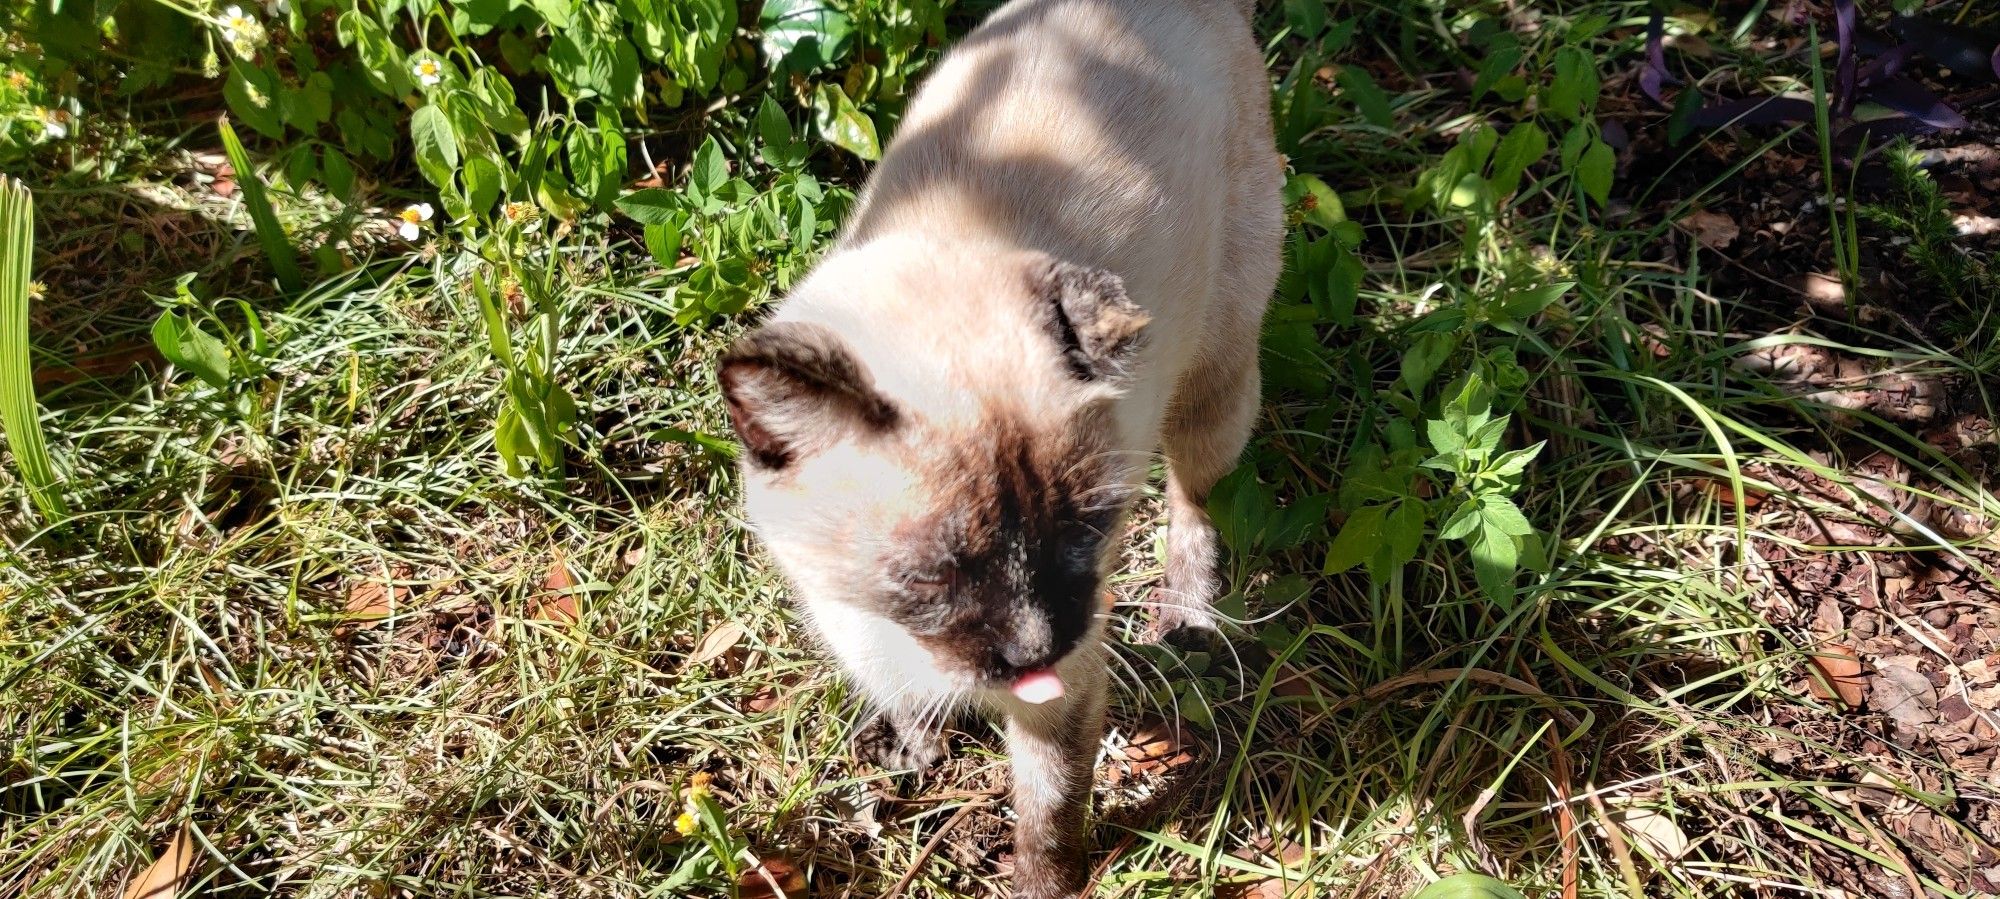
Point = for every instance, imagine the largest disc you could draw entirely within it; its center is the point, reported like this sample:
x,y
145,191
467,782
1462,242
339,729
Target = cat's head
x,y
963,487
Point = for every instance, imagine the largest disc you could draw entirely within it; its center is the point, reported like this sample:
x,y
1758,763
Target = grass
x,y
307,620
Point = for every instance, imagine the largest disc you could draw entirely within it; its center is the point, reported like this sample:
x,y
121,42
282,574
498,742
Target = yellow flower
x,y
413,218
684,825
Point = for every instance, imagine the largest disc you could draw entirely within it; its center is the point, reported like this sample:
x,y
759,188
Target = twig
x,y
937,839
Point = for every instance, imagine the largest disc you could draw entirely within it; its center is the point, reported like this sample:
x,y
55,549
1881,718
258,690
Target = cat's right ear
x,y
795,387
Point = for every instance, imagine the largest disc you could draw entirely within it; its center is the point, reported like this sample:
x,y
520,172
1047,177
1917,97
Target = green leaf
x,y
1403,533
1463,521
1594,171
510,438
652,206
1426,355
717,445
252,94
1494,558
338,173
270,233
191,349
1319,202
663,241
19,413
710,171
1505,55
1524,303
1523,146
1368,99
1445,440
1502,515
1232,505
1573,92
436,145
844,125
803,35
774,130
494,96
483,183
1468,886
1357,539
1343,288
1306,18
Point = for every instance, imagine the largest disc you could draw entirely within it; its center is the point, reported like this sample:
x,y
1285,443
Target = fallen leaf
x,y
1903,693
1840,675
1721,490
1985,700
555,602
1825,290
763,701
1293,682
775,877
1268,888
164,878
372,600
1652,831
717,642
1713,230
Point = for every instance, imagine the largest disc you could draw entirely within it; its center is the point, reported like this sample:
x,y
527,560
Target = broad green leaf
x,y
338,173
1357,540
436,145
1524,303
1367,98
1343,288
652,206
1494,558
1403,533
1463,521
774,131
1502,515
1523,146
1319,202
1573,91
483,183
1426,355
710,171
803,35
1468,886
252,95
719,446
1499,63
510,438
1445,440
840,122
1232,506
1594,171
1306,18
663,241
187,346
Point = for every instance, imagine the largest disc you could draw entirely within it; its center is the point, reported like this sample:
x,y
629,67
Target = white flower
x,y
277,8
55,124
428,71
413,219
235,24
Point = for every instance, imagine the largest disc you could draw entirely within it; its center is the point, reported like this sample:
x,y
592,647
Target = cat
x,y
1058,270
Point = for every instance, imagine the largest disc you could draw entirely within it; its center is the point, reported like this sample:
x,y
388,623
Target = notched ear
x,y
1098,327
792,387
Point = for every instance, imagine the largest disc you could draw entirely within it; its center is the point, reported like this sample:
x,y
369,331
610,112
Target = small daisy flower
x,y
277,8
428,71
413,218
685,824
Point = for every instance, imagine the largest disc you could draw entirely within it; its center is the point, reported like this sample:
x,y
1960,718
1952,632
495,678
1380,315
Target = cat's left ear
x,y
1097,327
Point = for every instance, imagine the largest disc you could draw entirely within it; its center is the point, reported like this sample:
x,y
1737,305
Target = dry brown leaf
x,y
715,644
775,877
111,363
1268,888
371,600
1713,230
1722,491
1292,682
1825,290
1840,675
164,878
763,701
556,603
1652,831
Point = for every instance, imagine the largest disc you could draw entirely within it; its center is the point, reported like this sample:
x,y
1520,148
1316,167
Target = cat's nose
x,y
1021,657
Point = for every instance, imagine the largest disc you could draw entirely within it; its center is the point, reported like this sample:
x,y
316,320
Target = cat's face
x,y
980,535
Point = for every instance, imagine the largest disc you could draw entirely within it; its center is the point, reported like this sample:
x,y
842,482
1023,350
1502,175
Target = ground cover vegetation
x,y
1620,521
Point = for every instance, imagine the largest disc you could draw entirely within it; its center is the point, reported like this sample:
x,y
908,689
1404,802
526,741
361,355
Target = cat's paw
x,y
881,743
1185,625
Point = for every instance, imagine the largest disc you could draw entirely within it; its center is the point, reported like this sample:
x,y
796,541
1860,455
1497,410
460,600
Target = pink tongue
x,y
1038,686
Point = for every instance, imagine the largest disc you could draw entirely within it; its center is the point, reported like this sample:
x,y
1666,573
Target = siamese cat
x,y
1058,270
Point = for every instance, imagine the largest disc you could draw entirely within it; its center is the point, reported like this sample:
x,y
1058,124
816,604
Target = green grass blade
x,y
18,412
277,247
